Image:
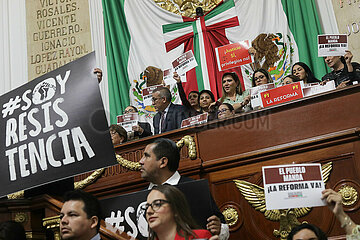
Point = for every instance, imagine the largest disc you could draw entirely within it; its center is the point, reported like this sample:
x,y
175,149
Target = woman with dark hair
x,y
169,217
232,93
304,73
11,230
290,79
225,110
306,231
261,77
118,134
192,102
207,104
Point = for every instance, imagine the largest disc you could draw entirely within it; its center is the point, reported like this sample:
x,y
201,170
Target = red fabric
x,y
201,233
214,36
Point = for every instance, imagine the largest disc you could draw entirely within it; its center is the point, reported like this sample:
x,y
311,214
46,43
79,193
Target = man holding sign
x,y
344,71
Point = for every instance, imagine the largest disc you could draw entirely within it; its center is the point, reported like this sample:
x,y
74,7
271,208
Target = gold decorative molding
x,y
17,195
21,217
186,140
90,179
187,8
134,166
349,195
190,143
231,216
53,224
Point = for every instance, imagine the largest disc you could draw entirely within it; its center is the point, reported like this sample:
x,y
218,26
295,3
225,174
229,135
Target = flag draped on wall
x,y
139,34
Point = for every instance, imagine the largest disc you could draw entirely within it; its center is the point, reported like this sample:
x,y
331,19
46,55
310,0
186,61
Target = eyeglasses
x,y
260,77
130,110
155,205
222,111
154,99
112,133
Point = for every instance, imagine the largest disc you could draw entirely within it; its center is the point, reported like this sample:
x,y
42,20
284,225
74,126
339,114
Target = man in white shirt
x,y
159,165
80,216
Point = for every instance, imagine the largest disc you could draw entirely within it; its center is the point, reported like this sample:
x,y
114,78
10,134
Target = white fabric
x,y
327,16
13,50
98,43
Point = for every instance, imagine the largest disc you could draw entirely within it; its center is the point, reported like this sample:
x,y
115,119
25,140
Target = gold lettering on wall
x,y
347,14
58,32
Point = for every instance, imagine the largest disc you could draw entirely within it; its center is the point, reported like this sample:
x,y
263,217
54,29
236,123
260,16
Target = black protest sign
x,y
124,214
53,127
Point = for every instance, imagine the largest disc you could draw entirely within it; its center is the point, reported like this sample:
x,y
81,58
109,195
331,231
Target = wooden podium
x,y
323,128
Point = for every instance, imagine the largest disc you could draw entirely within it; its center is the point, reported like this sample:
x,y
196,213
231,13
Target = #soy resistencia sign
x,y
53,127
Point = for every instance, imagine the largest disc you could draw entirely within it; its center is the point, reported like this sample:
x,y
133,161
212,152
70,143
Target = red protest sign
x,y
233,55
281,94
191,121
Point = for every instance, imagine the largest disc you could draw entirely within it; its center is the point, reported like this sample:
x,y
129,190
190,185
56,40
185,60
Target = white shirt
x,y
96,237
173,180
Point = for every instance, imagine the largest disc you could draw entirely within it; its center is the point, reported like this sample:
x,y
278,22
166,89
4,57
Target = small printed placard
x,y
184,63
127,121
169,77
316,89
293,186
332,45
198,119
147,94
281,94
255,96
233,55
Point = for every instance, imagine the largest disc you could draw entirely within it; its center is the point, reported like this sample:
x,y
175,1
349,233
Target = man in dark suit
x,y
169,115
159,165
80,216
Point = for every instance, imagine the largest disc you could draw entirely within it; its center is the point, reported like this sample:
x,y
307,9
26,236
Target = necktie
x,y
162,121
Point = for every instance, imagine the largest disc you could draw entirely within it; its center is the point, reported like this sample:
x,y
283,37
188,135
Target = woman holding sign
x,y
232,93
334,201
169,218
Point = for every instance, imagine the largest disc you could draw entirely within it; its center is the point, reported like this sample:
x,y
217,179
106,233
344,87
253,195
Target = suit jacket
x,y
176,113
214,208
147,130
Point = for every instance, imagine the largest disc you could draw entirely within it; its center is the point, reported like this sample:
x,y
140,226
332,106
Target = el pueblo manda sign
x,y
293,186
53,127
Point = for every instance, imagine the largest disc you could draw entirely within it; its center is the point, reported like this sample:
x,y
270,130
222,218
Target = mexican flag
x,y
141,34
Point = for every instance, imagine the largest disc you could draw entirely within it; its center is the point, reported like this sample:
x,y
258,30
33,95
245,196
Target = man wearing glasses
x,y
169,115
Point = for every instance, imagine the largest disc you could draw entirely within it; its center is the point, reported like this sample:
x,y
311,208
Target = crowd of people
x,y
234,99
167,211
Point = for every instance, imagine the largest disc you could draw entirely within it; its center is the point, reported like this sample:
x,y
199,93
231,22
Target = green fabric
x,y
219,9
117,40
199,75
305,26
175,26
